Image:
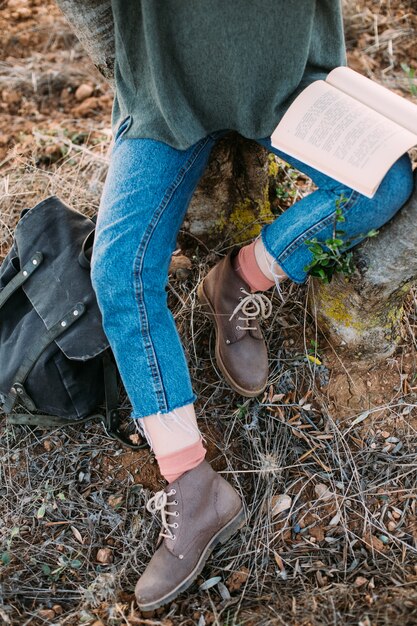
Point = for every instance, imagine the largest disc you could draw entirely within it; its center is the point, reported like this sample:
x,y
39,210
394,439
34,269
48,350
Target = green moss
x,y
246,219
273,167
334,308
394,316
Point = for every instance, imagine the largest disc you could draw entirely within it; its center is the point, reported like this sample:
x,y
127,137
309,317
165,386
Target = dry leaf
x,y
277,397
237,579
335,520
374,543
115,500
279,561
46,614
280,503
317,532
77,534
323,492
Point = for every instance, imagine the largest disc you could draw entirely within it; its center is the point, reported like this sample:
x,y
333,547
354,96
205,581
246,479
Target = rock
x,y
10,96
105,556
179,261
83,91
23,13
106,100
86,107
16,4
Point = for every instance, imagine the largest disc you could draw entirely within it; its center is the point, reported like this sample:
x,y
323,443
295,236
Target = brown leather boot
x,y
203,509
241,352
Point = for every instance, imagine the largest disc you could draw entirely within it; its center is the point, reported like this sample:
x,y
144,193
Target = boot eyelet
x,y
176,513
241,289
176,502
173,492
175,525
173,537
237,327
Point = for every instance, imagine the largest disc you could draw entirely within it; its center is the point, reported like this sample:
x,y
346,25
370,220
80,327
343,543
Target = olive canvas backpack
x,y
56,365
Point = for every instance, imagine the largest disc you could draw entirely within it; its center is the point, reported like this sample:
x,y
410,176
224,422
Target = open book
x,y
348,127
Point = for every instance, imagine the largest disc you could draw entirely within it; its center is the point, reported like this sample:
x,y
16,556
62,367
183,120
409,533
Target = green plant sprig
x,y
331,255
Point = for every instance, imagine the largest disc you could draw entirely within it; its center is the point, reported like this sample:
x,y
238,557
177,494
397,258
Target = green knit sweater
x,y
185,68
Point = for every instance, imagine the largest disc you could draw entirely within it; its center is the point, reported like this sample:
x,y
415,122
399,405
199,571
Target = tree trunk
x,y
361,314
92,22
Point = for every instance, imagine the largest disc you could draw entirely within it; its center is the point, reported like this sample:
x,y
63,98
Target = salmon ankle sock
x,y
247,268
173,465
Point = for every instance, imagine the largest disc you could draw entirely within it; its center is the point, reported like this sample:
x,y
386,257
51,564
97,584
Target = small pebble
x,y
383,538
83,91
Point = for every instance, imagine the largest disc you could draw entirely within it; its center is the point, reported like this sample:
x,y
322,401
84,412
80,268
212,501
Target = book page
x,y
343,138
379,98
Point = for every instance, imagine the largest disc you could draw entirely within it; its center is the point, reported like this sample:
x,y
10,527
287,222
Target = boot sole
x,y
220,537
205,302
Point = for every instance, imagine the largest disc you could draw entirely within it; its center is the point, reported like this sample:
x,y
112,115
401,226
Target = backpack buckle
x,y
20,393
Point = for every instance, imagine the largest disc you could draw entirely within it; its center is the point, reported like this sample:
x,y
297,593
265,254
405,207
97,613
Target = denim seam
x,y
325,221
138,283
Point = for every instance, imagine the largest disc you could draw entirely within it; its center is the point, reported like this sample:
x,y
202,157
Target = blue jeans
x,y
147,191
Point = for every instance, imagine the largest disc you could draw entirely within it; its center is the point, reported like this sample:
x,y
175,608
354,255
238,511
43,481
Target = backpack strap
x,y
47,421
111,421
84,258
34,353
21,277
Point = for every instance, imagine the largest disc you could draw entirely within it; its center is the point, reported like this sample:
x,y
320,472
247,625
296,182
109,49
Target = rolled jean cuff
x,y
137,415
299,276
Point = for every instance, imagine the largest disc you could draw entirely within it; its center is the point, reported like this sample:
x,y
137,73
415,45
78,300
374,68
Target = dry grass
x,y
344,553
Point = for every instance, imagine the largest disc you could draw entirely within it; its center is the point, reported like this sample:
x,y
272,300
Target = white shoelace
x,y
159,502
251,306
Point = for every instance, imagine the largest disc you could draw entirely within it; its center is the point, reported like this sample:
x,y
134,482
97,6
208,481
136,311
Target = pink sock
x,y
173,465
247,267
